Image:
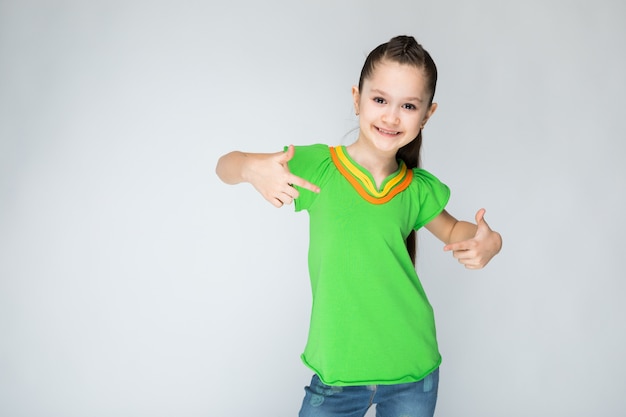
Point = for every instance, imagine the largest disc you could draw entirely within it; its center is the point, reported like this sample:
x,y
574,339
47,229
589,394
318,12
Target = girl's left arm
x,y
472,244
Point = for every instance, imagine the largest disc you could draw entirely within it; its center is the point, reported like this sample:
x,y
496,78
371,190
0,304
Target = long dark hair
x,y
405,50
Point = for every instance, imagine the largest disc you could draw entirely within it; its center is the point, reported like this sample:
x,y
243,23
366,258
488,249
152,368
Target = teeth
x,y
388,132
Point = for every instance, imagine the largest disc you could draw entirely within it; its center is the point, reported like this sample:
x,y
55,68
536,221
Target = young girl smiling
x,y
372,337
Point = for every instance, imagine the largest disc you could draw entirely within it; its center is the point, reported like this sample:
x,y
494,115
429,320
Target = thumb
x,y
480,216
286,156
481,222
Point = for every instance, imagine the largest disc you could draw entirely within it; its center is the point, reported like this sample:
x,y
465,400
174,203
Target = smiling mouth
x,y
388,132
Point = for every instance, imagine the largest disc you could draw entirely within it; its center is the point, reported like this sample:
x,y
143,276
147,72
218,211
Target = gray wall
x,y
134,283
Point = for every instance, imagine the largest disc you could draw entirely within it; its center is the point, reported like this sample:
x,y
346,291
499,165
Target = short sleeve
x,y
433,196
310,163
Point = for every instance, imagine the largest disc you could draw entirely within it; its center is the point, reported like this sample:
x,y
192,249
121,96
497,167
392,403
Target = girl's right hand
x,y
271,177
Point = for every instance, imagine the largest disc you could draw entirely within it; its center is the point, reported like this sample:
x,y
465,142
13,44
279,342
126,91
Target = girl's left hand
x,y
476,252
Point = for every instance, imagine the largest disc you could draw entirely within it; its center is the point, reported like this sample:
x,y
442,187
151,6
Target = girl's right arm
x,y
267,172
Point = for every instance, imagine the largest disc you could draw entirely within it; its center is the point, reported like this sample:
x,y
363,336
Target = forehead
x,y
397,79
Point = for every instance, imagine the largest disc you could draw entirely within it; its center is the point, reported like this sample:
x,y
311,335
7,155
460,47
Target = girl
x,y
372,331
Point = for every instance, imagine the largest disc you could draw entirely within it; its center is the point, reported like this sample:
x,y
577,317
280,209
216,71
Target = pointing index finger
x,y
300,182
456,246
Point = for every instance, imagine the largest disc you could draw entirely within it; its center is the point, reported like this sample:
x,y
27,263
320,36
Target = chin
x,y
389,145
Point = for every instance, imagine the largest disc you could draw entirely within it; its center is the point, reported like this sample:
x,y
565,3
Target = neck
x,y
379,164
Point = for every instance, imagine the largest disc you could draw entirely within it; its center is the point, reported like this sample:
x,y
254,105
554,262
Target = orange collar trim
x,y
363,183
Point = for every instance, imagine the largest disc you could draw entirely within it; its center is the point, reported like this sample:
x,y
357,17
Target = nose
x,y
391,116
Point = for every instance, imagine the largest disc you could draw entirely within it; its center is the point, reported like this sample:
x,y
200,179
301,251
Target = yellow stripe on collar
x,y
362,182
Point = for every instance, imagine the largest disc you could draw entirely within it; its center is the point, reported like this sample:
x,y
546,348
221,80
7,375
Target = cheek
x,y
416,120
368,112
422,117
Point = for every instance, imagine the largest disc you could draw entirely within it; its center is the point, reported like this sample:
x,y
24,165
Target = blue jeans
x,y
415,399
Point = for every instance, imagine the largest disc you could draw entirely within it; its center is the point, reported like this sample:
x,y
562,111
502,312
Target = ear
x,y
429,113
356,98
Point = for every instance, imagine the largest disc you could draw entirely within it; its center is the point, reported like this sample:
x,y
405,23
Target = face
x,y
393,106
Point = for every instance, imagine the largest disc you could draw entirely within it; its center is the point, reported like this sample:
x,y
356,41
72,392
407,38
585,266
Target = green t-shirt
x,y
371,322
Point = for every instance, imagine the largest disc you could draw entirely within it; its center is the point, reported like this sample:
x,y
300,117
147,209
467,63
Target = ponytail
x,y
410,154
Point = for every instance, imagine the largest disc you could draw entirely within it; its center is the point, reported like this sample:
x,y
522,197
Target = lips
x,y
387,132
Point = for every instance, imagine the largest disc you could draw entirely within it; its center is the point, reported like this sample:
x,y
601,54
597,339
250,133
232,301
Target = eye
x,y
379,100
410,106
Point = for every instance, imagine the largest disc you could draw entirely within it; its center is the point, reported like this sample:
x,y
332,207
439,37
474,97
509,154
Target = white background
x,y
134,283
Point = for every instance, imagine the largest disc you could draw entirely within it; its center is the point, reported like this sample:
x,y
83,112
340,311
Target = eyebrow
x,y
381,92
